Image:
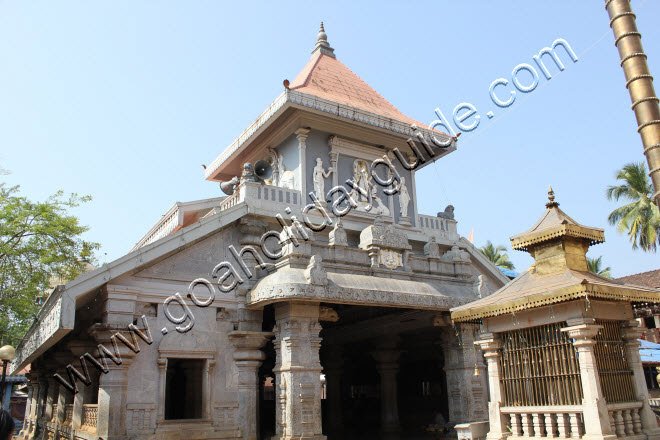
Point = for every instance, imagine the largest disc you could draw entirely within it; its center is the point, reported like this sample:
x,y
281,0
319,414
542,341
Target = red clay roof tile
x,y
328,78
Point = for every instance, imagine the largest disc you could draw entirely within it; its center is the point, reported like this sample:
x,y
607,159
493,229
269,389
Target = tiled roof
x,y
555,223
531,290
646,279
328,78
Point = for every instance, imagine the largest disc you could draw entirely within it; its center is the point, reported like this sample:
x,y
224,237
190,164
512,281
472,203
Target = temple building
x,y
311,302
562,344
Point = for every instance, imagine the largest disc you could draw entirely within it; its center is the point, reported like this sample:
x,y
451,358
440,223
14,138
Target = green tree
x,y
497,255
39,242
640,219
594,265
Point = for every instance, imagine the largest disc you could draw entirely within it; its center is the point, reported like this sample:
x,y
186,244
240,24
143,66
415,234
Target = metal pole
x,y
639,82
2,383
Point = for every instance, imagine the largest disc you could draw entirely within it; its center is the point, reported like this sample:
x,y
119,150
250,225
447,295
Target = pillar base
x,y
497,435
599,437
652,434
297,437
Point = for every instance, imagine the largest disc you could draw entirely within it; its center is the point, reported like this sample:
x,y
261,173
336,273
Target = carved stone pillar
x,y
51,398
41,405
36,386
28,408
113,390
467,393
631,334
333,368
248,357
112,402
594,408
298,372
301,175
387,363
490,345
162,384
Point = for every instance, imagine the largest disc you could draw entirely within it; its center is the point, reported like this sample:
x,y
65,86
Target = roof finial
x,y
322,44
551,197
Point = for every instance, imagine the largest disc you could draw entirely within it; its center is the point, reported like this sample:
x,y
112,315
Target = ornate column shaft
x,y
248,357
466,392
113,390
388,366
490,345
301,175
298,372
594,408
631,334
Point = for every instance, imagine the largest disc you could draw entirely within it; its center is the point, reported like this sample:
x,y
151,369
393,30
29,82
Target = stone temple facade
x,y
312,302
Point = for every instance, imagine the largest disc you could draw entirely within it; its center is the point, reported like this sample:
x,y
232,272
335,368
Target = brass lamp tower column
x,y
639,83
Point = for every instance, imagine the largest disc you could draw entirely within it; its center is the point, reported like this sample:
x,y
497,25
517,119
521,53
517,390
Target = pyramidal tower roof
x,y
326,86
553,224
328,78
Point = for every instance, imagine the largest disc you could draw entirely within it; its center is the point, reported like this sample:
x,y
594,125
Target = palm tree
x,y
641,218
594,265
497,255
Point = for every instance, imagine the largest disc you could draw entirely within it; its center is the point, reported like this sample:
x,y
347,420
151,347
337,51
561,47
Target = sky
x,y
126,100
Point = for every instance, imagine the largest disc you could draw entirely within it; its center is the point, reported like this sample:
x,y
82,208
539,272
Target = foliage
x,y
40,245
640,219
594,265
497,255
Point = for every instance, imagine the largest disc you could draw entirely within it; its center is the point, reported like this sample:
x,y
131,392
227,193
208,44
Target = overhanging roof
x,y
530,290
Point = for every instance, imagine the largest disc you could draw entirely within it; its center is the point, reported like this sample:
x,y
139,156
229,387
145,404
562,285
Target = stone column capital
x,y
248,344
302,134
631,332
583,333
489,344
386,357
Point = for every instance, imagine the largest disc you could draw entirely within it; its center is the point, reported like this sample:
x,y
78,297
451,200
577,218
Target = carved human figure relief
x,y
378,207
361,192
404,197
288,180
274,158
318,176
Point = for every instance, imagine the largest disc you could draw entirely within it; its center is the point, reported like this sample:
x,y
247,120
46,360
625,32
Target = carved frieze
x,y
390,259
344,295
384,236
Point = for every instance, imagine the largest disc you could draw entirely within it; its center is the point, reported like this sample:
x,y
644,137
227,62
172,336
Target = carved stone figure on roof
x,y
315,273
448,213
432,248
337,236
318,176
248,173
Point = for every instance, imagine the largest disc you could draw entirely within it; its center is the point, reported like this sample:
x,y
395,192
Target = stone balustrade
x,y
89,418
68,414
625,419
54,418
441,228
545,422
